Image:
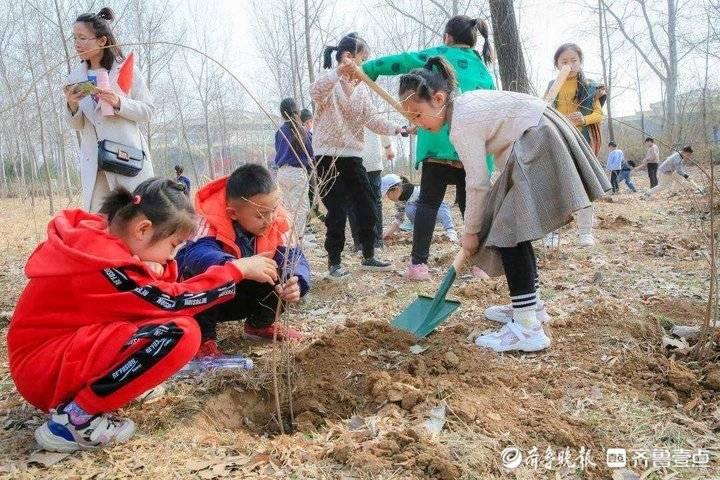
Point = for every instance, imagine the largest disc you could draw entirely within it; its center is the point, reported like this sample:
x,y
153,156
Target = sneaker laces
x,y
510,334
102,429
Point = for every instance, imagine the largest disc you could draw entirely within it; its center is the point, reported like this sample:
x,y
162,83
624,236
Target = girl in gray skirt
x,y
548,172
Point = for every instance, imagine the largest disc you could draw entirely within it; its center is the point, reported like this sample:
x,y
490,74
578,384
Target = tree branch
x,y
412,17
441,7
621,27
654,43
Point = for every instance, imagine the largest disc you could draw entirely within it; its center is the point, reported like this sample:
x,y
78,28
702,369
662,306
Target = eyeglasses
x,y
77,39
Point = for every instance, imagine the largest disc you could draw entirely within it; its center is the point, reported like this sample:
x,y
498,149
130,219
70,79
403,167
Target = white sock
x,y
585,221
524,310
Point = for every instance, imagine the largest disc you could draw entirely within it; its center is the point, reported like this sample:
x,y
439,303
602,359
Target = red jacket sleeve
x,y
188,298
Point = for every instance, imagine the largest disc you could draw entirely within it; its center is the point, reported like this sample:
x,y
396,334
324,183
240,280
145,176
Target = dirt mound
x,y
616,223
331,379
366,370
406,448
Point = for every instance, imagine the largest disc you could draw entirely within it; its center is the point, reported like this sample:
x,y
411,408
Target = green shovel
x,y
425,314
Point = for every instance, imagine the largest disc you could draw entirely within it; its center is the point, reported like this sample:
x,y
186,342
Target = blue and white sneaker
x,y
58,434
407,226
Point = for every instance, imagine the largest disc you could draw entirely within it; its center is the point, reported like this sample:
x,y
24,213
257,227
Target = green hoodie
x,y
472,74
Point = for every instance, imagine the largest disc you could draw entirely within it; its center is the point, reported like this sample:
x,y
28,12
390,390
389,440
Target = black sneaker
x,y
337,272
376,265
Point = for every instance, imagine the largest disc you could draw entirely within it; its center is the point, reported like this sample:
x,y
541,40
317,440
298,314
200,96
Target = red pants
x,y
104,367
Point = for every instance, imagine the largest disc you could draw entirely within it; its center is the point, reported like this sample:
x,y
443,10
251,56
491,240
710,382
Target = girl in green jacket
x,y
440,164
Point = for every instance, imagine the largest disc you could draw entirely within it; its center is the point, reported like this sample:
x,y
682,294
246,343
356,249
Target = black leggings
x,y
520,268
344,180
433,183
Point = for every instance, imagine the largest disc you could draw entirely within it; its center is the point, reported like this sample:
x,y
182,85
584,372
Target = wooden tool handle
x,y
382,93
459,260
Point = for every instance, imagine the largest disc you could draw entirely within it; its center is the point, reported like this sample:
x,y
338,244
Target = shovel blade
x,y
423,315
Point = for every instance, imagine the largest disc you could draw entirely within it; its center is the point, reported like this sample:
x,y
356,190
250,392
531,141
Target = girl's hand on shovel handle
x,y
348,68
470,243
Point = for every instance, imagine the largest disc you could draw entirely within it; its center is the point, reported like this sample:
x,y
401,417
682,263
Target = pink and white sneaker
x,y
417,273
514,337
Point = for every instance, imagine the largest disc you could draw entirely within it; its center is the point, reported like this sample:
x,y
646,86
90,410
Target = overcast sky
x,y
543,24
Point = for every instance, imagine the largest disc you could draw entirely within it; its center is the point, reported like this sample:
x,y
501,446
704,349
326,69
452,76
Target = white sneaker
x,y
452,235
503,313
58,434
585,240
552,240
513,337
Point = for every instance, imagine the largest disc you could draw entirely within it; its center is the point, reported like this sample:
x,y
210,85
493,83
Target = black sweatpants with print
x,y
254,301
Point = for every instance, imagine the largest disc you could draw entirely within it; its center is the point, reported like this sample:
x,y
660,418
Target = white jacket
x,y
123,127
374,151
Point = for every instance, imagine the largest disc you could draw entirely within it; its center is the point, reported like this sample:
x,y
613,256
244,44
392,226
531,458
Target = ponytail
x,y
444,69
436,75
99,23
289,112
327,56
163,202
349,43
117,201
487,52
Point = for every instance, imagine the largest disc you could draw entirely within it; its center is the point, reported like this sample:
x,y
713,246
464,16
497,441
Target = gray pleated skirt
x,y
550,173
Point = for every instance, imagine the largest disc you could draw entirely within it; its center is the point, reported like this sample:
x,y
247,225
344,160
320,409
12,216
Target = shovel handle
x,y
459,260
382,93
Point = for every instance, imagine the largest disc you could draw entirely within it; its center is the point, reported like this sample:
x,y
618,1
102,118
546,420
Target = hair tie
x,y
136,200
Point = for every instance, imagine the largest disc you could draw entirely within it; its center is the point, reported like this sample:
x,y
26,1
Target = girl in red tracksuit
x,y
103,318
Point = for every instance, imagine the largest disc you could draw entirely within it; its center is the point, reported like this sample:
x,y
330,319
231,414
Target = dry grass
x,y
605,382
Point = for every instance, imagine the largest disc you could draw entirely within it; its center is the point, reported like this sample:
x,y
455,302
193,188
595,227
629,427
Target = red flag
x,y
125,75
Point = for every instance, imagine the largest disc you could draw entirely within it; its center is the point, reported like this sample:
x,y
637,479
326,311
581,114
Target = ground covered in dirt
x,y
368,401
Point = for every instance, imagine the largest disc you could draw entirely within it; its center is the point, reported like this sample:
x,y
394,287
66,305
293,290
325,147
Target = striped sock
x,y
524,309
537,289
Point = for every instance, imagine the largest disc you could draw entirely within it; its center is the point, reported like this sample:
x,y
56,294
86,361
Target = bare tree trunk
x,y
508,48
296,59
183,129
61,33
293,70
21,161
666,68
606,66
640,102
308,49
672,77
3,174
208,141
62,163
41,123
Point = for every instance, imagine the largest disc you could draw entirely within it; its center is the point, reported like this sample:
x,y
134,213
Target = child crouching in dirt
x,y
241,217
531,143
103,318
405,196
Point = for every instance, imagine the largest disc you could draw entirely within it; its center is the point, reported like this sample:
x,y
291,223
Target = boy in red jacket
x,y
103,318
241,216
